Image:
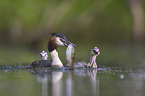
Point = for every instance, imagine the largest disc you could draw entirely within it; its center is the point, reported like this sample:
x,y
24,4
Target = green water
x,y
100,82
120,72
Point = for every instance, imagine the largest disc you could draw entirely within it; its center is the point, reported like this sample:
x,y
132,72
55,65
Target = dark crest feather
x,y
58,35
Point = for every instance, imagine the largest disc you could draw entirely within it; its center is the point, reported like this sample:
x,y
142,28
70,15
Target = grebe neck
x,y
55,59
93,59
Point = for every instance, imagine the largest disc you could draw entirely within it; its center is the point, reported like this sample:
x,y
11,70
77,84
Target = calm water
x,y
101,82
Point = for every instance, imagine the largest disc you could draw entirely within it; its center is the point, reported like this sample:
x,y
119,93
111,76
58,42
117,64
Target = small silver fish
x,y
70,55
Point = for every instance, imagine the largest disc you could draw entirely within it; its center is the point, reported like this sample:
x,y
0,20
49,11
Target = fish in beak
x,y
70,56
66,43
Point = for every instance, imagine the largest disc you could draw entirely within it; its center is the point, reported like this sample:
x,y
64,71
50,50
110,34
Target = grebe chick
x,y
57,39
43,55
94,53
43,62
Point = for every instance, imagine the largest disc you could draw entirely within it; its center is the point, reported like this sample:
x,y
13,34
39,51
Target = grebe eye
x,y
61,40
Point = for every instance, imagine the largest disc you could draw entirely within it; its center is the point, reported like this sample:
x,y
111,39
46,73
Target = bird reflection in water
x,y
51,82
70,84
54,83
44,86
94,83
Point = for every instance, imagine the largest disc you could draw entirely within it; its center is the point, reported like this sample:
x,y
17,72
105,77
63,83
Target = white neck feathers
x,y
55,59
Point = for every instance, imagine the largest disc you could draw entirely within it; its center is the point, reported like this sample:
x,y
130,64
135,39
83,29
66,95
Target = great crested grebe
x,y
70,58
55,40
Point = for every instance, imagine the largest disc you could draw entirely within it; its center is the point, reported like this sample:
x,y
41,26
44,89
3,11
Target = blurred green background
x,y
116,27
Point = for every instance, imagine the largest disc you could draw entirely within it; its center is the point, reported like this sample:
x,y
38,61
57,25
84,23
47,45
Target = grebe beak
x,y
66,42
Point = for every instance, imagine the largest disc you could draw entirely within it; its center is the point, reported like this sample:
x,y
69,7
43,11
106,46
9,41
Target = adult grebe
x,y
70,58
55,40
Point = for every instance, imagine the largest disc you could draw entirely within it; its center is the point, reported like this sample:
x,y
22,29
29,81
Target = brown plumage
x,y
52,44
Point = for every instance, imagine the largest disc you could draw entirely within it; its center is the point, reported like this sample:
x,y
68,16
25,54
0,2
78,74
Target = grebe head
x,y
61,39
43,55
95,51
57,39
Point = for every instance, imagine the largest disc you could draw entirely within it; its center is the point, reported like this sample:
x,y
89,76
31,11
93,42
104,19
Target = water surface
x,y
98,82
